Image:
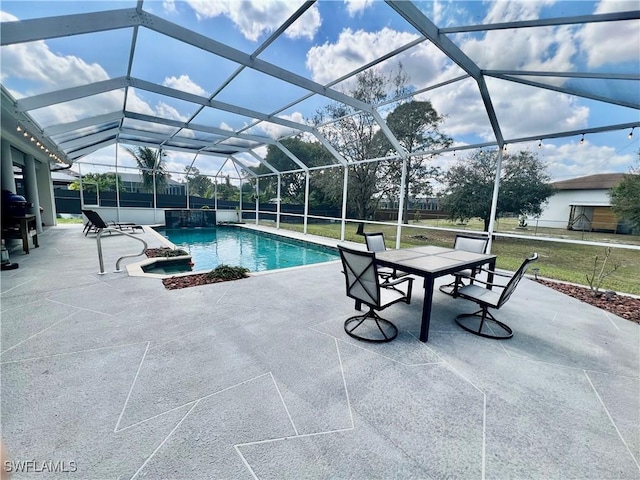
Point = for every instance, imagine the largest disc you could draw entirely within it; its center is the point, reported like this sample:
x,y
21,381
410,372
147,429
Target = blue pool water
x,y
257,251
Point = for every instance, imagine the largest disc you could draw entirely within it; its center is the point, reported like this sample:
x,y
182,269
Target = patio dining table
x,y
431,262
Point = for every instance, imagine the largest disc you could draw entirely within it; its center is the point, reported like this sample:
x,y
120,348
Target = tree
x,y
199,185
524,186
416,126
625,197
292,185
226,191
352,133
104,182
151,164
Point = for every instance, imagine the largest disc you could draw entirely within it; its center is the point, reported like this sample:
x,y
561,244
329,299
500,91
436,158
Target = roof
x,y
602,181
216,83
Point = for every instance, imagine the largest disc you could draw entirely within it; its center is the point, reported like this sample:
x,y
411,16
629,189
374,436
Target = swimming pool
x,y
257,251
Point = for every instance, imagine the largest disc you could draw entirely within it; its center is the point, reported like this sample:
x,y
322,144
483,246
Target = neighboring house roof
x,y
137,178
602,181
62,177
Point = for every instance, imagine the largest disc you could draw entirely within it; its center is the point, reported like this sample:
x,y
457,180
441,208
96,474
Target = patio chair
x,y
490,298
363,285
468,243
375,243
96,223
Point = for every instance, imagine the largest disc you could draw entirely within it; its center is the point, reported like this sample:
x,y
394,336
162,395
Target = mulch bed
x,y
620,305
174,283
194,280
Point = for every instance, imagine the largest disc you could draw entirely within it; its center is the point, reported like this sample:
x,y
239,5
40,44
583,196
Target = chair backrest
x,y
95,219
361,275
513,283
470,243
375,242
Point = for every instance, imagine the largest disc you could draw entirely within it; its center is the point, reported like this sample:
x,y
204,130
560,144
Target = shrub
x,y
227,272
165,252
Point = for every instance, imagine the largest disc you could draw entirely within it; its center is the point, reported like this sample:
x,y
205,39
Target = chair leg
x,y
475,322
452,288
385,331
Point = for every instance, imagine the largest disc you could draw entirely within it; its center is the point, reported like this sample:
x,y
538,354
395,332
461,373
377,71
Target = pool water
x,y
257,251
168,267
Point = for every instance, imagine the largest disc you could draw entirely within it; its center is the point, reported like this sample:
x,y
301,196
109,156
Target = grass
x,y
558,261
61,220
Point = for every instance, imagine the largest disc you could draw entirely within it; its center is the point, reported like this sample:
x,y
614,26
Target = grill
x,y
13,205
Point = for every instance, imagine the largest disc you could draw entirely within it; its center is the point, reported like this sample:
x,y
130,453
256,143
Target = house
x,y
132,183
584,204
129,182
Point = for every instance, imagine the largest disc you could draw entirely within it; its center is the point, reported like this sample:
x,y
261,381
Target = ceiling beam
x,y
83,123
546,22
570,91
72,93
34,29
88,139
419,21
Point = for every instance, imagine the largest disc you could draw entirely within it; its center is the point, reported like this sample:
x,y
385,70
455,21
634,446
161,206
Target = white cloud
x,y
35,63
167,111
185,84
521,110
357,6
611,42
169,6
354,49
256,17
571,160
545,48
515,11
274,130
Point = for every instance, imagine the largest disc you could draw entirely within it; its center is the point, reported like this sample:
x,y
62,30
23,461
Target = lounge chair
x,y
96,223
490,297
363,285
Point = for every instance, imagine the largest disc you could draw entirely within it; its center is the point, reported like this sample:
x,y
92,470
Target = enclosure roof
x,y
213,81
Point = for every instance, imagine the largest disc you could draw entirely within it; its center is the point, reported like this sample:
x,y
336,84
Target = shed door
x,y
604,219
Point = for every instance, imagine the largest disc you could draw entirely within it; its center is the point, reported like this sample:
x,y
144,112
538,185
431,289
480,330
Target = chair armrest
x,y
506,275
398,281
491,284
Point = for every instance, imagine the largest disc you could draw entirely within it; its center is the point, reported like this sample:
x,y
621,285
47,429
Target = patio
x,y
257,379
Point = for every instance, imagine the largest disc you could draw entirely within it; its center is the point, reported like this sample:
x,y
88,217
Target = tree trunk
x,y
486,224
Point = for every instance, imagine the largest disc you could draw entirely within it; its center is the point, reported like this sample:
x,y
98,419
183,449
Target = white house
x,y
583,204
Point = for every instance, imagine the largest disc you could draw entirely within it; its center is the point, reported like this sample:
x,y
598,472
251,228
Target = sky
x,y
330,40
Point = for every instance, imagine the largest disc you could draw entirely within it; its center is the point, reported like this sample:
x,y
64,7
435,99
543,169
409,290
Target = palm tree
x,y
151,162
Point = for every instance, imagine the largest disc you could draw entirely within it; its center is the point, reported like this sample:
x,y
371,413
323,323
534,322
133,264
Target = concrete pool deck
x,y
257,379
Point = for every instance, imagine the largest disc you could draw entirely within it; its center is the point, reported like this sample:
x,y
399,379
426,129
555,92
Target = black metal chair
x,y
363,285
490,298
375,243
468,243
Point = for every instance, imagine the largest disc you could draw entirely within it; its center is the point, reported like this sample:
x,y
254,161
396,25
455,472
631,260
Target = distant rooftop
x,y
600,181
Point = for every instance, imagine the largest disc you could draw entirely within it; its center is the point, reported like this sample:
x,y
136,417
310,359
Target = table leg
x,y
426,308
492,267
24,231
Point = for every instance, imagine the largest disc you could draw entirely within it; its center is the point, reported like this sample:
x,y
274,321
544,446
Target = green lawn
x,y
68,220
560,261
